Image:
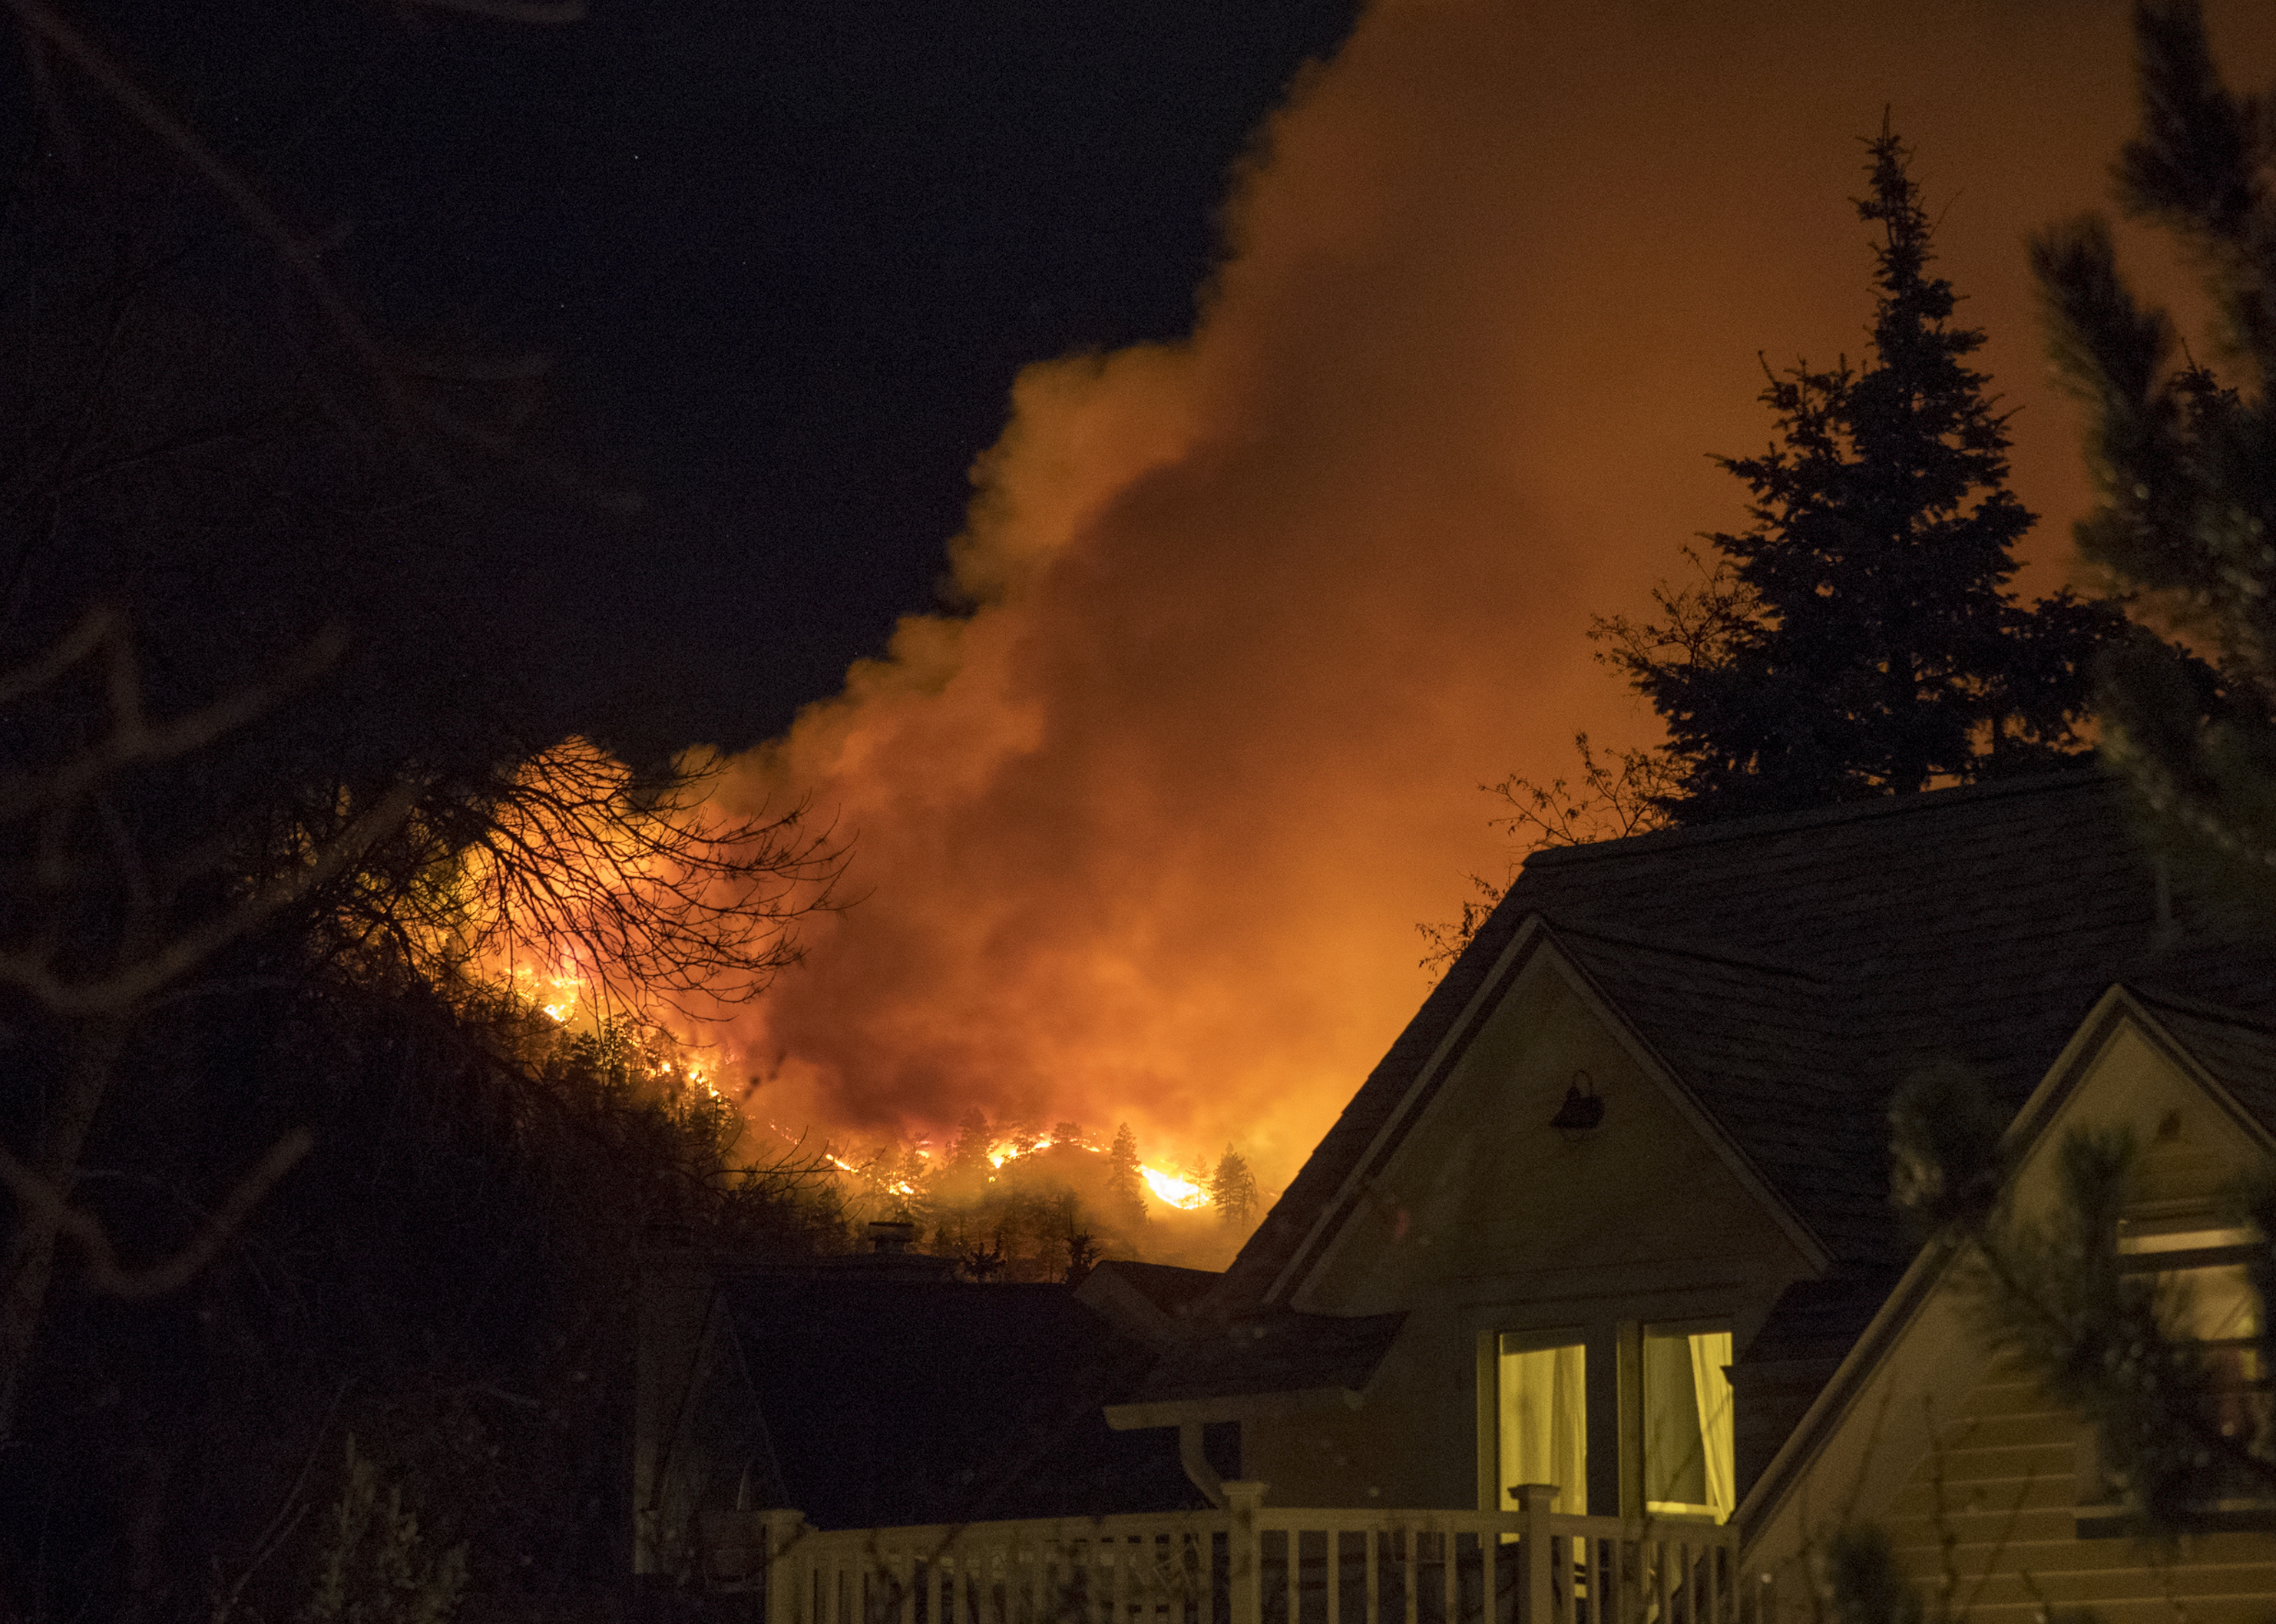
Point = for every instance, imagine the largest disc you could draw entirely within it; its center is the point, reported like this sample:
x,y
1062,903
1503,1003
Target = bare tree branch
x,y
104,1273
81,881
33,973
98,625
647,893
302,254
1618,795
294,248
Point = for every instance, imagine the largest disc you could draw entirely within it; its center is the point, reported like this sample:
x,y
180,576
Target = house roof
x,y
894,1400
1328,1356
2238,1050
1789,971
1167,1287
1151,1302
2232,1049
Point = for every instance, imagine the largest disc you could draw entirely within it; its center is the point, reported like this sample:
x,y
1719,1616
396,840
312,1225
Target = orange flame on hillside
x,y
1182,1193
1171,1188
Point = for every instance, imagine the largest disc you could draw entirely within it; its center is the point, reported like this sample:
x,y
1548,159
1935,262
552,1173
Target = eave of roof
x,y
2237,1051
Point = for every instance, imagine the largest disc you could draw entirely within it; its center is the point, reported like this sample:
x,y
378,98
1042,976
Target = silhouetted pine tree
x,y
1859,640
1125,1195
2182,463
968,1152
1233,1189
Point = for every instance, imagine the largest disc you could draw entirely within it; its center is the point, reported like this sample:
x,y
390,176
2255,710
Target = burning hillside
x,y
628,918
1006,1200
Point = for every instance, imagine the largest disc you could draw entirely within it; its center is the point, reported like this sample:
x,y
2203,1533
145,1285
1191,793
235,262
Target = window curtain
x,y
1711,1351
1545,1423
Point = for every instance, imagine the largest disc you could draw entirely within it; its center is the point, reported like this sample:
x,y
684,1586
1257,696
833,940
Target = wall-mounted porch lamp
x,y
1582,1113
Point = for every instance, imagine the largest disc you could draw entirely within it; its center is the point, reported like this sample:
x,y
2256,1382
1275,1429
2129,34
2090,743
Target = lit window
x,y
1543,1404
1688,1463
2144,1237
2206,1291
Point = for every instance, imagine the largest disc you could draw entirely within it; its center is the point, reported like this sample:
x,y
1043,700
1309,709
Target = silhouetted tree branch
x,y
93,926
638,887
1618,795
242,913
394,372
100,1267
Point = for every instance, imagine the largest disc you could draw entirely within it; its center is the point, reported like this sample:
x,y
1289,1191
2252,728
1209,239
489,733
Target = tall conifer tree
x,y
1859,640
1233,1189
1125,1195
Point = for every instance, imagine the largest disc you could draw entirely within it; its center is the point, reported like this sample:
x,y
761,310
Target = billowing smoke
x,y
1145,836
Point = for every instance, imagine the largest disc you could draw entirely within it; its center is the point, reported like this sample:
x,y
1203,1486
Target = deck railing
x,y
1247,1563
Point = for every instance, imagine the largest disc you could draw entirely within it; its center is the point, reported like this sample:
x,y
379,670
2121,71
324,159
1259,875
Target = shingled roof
x,y
888,1400
2238,1051
1790,971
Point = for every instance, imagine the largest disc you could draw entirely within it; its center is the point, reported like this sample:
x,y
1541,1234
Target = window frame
x,y
1495,1345
1613,1359
1672,1511
2096,1511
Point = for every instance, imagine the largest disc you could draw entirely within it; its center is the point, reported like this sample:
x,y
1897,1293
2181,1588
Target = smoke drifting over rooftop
x,y
1146,835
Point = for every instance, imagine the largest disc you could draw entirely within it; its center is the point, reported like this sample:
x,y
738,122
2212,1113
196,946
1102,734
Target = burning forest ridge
x,y
1010,1203
1184,1194
1005,1200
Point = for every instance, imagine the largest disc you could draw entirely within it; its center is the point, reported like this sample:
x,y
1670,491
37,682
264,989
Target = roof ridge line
x,y
1840,812
2183,1004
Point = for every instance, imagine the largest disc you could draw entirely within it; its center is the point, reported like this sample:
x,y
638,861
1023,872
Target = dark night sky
x,y
788,258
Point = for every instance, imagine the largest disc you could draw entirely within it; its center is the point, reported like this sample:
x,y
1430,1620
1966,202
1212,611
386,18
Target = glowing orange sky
x,y
1146,836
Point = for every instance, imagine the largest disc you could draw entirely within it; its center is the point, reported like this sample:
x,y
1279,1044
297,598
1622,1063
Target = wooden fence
x,y
1246,1563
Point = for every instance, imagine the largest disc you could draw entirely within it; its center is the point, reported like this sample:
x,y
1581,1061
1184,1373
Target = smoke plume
x,y
1145,835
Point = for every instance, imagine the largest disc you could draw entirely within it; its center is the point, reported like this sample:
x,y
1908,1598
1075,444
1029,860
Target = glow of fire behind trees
x,y
1144,837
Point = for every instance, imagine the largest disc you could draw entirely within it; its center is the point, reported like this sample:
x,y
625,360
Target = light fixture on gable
x,y
1582,1113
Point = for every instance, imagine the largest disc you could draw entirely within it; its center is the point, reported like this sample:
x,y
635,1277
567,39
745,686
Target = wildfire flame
x,y
571,993
559,998
896,1187
1182,1193
556,997
1168,1188
1003,1150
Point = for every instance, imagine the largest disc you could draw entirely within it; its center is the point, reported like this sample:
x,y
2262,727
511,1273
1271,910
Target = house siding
x,y
1988,1516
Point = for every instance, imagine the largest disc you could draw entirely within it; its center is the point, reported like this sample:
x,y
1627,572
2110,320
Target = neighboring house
x,y
1612,1215
880,1389
1966,1464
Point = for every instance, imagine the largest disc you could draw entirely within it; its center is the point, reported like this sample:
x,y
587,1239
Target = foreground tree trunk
x,y
31,1257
